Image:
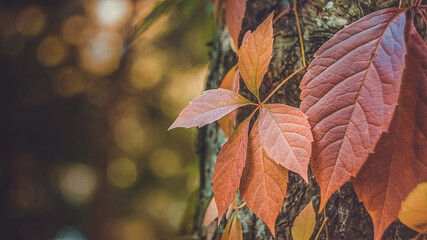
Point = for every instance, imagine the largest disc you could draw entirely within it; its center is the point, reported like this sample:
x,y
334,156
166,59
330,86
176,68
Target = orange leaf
x,y
210,106
394,169
255,55
304,223
234,14
286,137
264,182
349,95
229,166
230,82
414,209
236,229
211,213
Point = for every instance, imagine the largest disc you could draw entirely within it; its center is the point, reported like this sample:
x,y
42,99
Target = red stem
x,y
288,10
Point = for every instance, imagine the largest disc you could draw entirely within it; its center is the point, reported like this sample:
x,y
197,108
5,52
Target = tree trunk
x,y
320,20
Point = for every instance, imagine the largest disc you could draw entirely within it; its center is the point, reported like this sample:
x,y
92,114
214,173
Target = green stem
x,y
281,84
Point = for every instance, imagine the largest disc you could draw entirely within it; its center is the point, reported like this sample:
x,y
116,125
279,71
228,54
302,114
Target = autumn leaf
x,y
236,229
226,233
304,223
234,14
255,55
211,213
210,106
230,82
229,166
349,95
286,137
414,209
394,169
264,182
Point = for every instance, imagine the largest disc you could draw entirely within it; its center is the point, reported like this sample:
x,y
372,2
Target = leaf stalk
x,y
300,34
281,84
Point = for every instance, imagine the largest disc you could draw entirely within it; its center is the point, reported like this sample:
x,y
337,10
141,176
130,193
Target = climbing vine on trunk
x,y
363,119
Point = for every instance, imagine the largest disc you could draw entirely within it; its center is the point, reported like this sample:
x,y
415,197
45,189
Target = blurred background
x,y
85,153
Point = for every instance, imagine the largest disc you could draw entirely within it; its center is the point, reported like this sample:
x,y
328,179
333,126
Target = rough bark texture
x,y
320,20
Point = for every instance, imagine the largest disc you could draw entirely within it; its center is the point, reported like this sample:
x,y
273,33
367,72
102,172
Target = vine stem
x,y
422,16
288,10
281,84
300,34
241,206
320,230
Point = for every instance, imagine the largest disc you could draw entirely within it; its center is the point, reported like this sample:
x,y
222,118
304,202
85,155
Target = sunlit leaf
x,y
304,223
413,212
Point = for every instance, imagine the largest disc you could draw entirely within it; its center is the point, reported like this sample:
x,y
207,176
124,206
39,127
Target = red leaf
x,y
229,166
211,213
234,14
394,169
255,55
286,137
349,95
230,82
210,106
264,182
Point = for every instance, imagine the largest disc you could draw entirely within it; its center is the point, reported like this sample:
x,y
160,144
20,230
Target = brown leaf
x,y
264,182
255,55
304,223
286,137
229,166
210,106
394,169
349,95
211,213
234,14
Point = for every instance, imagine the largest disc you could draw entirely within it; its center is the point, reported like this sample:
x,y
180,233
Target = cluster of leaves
x,y
363,111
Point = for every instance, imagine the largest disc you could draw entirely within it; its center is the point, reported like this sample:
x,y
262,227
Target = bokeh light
x,y
122,172
112,12
73,29
88,154
70,80
31,21
129,134
146,72
165,163
101,53
51,51
77,183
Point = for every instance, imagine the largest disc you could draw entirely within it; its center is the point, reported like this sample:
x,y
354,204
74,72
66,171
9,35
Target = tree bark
x,y
320,20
